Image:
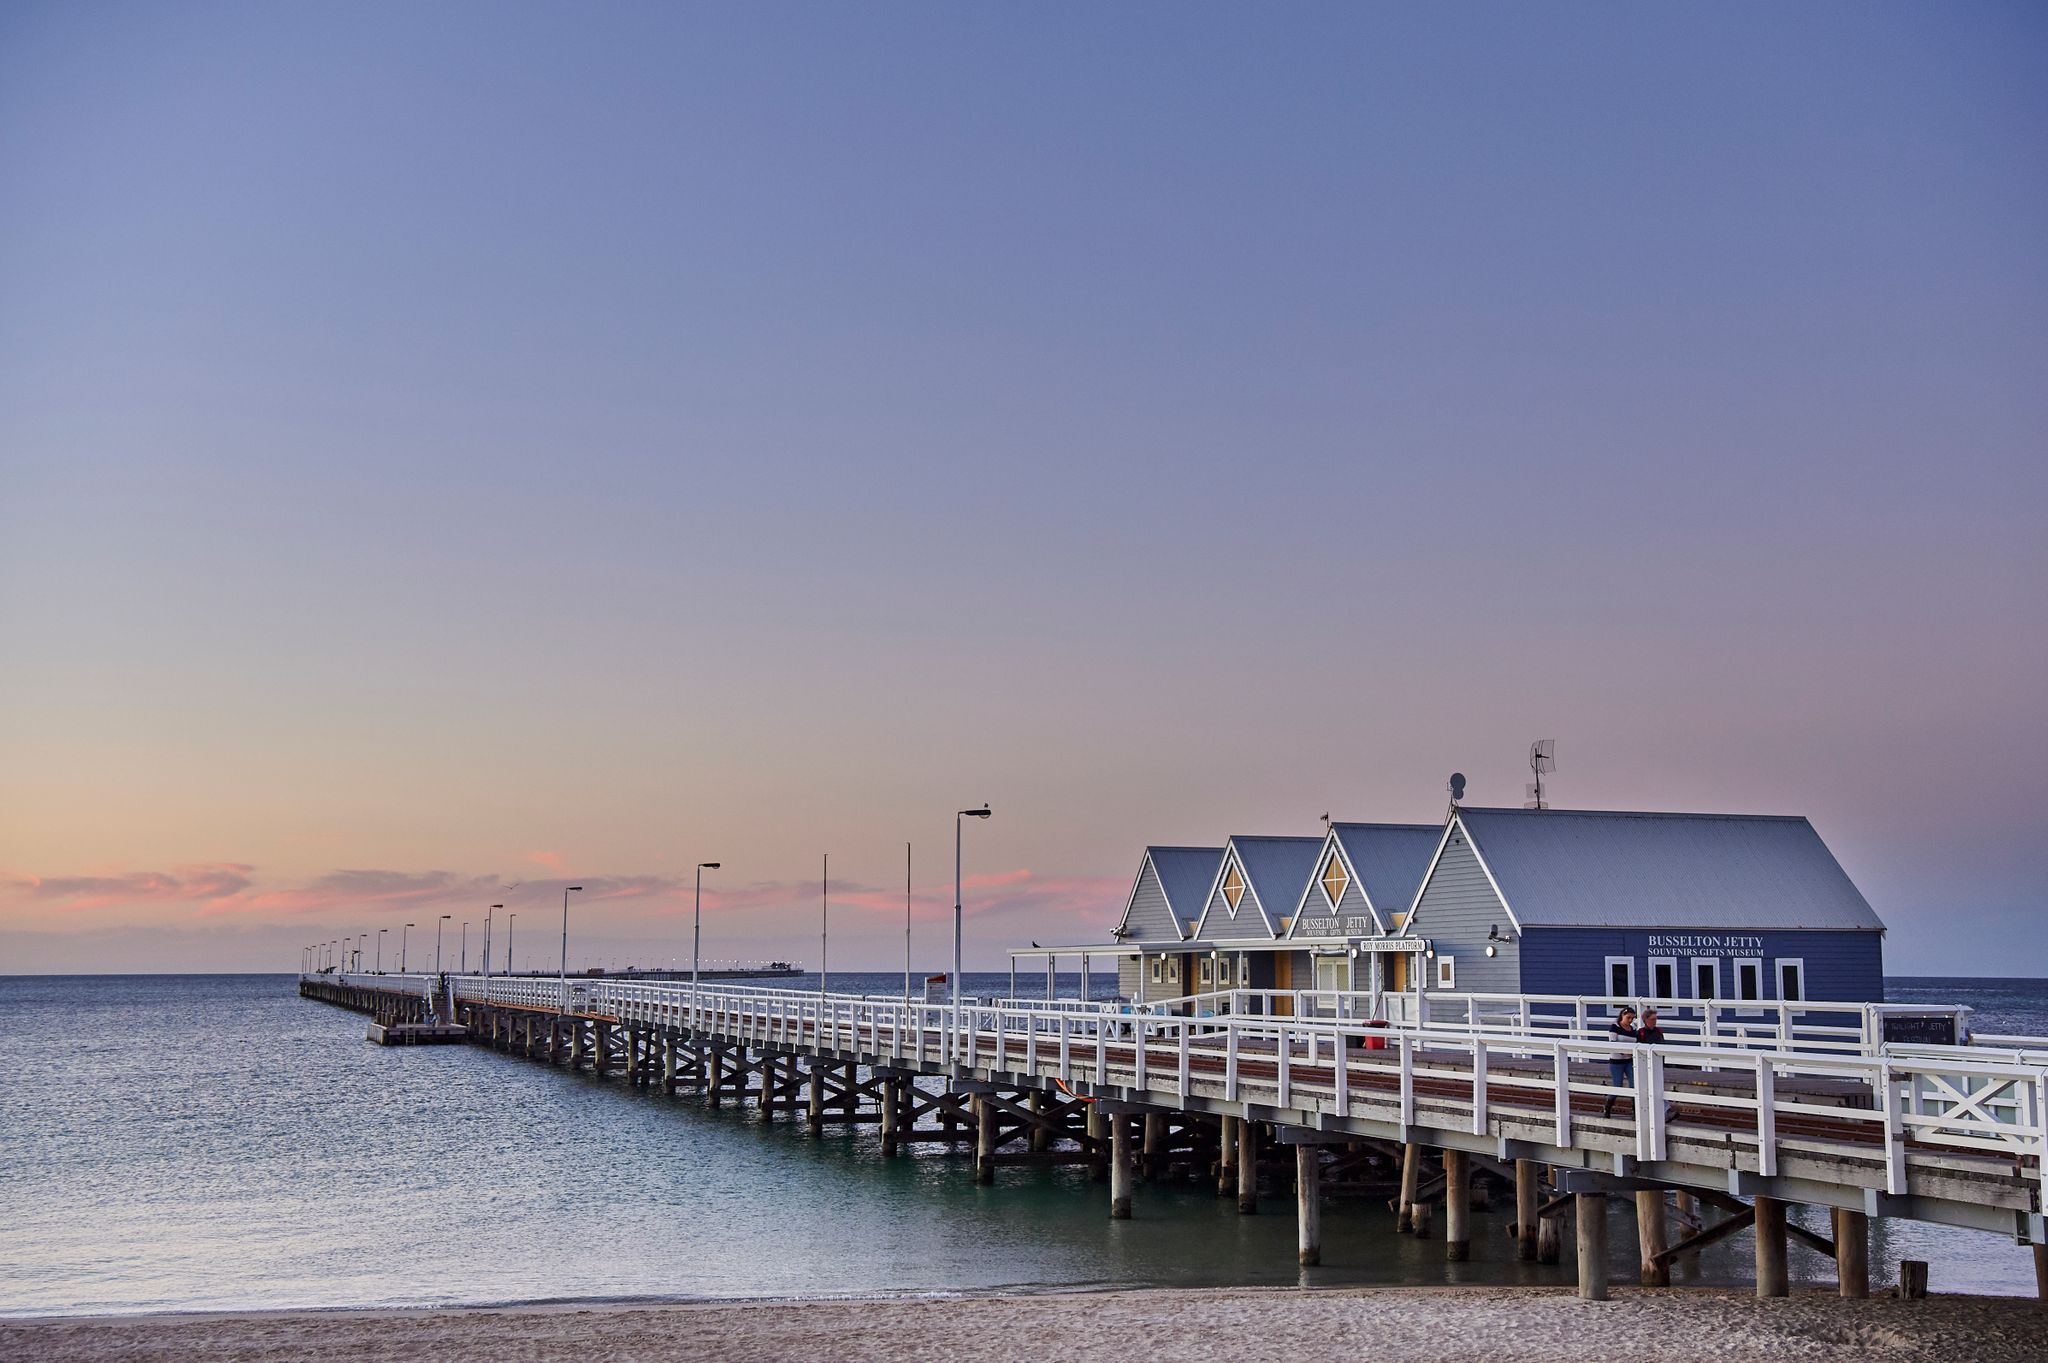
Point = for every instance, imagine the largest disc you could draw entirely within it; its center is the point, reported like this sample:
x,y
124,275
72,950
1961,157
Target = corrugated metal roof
x,y
1277,869
1185,874
1391,859
1593,868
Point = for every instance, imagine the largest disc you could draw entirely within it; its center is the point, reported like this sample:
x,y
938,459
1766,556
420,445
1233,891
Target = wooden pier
x,y
1436,1117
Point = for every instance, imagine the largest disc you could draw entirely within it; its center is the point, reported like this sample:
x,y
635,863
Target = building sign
x,y
1354,925
1713,943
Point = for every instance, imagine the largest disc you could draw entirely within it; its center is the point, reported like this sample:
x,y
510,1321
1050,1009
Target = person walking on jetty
x,y
1650,1034
1621,1069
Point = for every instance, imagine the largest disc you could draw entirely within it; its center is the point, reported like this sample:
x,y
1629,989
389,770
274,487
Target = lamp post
x,y
510,919
404,937
958,819
465,946
488,913
906,922
824,925
380,949
437,940
572,889
697,929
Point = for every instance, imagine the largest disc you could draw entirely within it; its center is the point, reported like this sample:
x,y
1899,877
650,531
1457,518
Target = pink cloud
x,y
1016,904
180,884
552,860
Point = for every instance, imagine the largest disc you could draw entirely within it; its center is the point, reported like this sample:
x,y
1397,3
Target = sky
x,y
455,447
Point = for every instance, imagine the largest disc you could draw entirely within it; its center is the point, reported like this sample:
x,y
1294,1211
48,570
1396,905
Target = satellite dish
x,y
1457,786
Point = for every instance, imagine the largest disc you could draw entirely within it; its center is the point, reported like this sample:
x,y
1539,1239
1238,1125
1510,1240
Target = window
x,y
1333,878
1233,887
1447,972
1621,977
1706,979
1749,980
1158,969
1791,978
1173,970
1663,978
1223,972
1208,970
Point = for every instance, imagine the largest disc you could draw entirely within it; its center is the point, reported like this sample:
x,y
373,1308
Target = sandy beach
x,y
1388,1325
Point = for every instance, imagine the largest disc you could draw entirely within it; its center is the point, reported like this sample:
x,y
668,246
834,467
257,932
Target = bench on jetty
x,y
1940,1134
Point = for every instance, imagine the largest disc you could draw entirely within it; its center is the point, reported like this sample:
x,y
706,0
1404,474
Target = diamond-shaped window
x,y
1233,887
1334,880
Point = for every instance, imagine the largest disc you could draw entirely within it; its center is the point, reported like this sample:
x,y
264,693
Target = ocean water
x,y
217,1142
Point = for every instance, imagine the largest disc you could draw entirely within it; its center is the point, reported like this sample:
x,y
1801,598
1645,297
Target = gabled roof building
x,y
1580,903
1671,906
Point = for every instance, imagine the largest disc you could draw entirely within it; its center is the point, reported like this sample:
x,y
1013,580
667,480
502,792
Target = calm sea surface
x,y
216,1142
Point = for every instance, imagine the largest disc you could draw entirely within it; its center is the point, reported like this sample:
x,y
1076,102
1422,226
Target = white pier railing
x,y
1886,1111
1743,1024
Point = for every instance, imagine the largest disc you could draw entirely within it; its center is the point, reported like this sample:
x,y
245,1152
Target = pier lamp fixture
x,y
437,940
380,949
697,929
487,938
465,946
510,919
404,937
958,819
566,892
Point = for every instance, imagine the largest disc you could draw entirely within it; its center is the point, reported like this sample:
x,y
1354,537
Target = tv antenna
x,y
1456,786
1542,758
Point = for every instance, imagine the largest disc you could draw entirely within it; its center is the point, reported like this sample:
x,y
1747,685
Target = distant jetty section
x,y
731,970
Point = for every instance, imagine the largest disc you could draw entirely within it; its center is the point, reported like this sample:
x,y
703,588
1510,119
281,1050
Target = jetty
x,y
1805,1103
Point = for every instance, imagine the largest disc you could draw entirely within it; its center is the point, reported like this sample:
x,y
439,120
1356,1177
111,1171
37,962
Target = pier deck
x,y
1939,1135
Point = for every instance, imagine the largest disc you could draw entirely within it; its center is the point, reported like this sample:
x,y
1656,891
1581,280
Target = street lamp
x,y
567,891
510,919
465,946
964,814
404,937
487,937
380,949
437,940
697,929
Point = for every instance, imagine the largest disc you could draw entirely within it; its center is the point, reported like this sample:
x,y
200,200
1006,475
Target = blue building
x,y
1669,906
